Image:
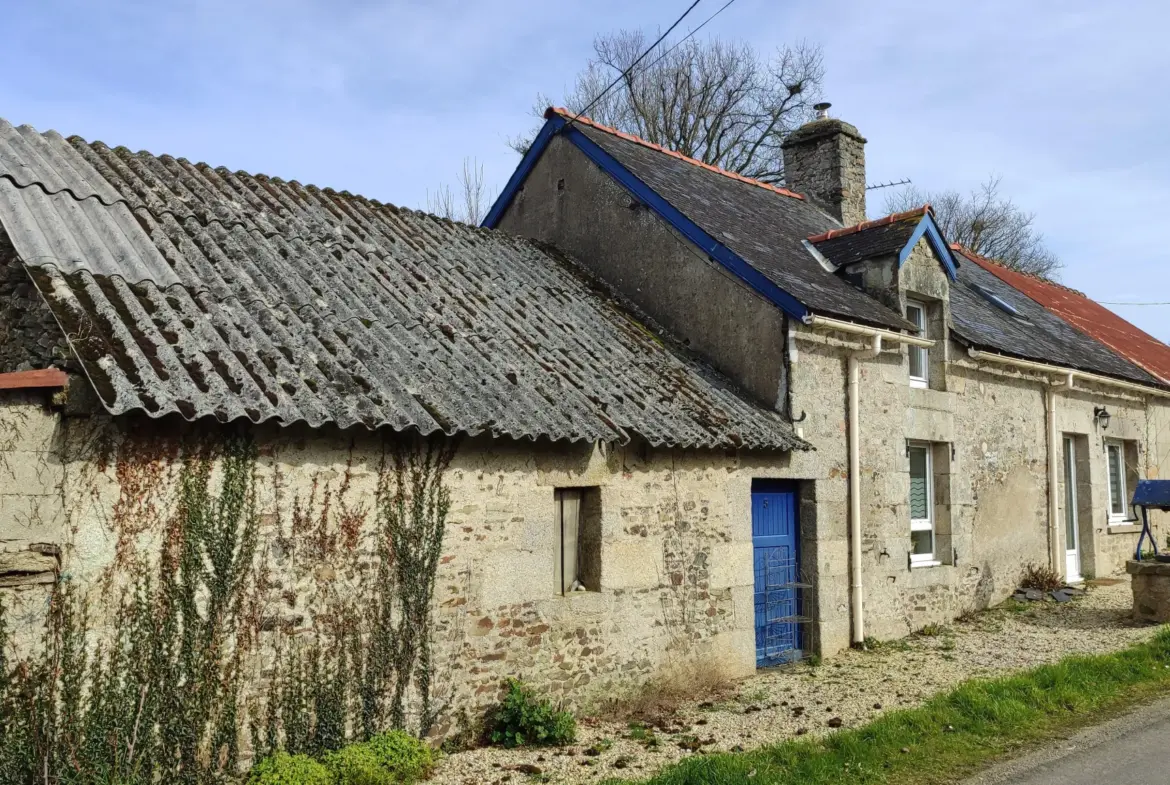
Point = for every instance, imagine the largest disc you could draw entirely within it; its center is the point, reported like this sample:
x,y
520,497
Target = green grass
x,y
955,733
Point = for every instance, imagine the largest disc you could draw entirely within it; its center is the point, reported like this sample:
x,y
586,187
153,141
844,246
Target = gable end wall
x,y
570,202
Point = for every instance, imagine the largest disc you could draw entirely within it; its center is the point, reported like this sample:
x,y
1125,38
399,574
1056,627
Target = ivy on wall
x,y
188,670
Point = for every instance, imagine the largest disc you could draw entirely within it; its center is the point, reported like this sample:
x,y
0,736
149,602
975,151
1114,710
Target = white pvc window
x,y
1115,466
921,503
919,355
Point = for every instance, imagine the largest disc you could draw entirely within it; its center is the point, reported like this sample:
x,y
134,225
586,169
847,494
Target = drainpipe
x,y
1050,392
856,597
877,335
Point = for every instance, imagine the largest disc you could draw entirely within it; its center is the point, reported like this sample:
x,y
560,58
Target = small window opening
x,y
577,563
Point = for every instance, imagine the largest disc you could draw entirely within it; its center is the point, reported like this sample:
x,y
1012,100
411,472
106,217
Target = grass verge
x,y
954,734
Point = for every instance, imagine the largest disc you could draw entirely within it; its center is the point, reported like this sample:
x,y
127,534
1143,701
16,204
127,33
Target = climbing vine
x,y
196,665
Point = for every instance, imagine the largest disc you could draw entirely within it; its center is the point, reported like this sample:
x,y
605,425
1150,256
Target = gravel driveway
x,y
853,688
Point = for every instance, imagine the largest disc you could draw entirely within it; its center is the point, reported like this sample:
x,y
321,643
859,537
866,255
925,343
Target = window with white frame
x,y
1115,468
921,503
577,561
919,355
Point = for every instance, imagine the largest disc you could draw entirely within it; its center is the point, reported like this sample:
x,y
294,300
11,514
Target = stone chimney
x,y
825,160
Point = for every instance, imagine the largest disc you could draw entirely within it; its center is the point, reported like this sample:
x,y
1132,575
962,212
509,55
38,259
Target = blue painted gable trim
x,y
535,150
929,228
649,197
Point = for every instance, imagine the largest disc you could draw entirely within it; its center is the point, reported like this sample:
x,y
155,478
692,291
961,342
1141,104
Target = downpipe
x,y
857,600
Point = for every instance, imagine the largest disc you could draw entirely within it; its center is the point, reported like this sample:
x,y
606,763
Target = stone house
x,y
690,417
158,314
965,425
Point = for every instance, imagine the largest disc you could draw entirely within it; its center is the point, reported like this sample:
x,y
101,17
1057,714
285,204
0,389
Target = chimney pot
x,y
822,110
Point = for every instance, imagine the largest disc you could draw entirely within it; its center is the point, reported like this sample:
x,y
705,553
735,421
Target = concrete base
x,y
1151,590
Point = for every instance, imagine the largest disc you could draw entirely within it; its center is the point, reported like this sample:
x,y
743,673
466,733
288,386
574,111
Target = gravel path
x,y
851,688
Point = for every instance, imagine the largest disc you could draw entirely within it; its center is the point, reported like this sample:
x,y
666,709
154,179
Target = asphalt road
x,y
1131,750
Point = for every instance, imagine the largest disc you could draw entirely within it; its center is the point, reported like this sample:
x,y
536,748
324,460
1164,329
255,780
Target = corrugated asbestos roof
x,y
204,292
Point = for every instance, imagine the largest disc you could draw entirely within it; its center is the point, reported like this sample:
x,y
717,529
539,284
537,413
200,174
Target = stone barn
x,y
328,436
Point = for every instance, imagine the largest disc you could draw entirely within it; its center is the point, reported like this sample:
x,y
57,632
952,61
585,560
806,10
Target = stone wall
x,y
987,426
676,555
29,336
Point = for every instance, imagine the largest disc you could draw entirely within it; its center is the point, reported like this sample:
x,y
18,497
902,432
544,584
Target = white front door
x,y
1072,540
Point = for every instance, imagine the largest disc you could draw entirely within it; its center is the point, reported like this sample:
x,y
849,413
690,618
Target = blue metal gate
x,y
775,539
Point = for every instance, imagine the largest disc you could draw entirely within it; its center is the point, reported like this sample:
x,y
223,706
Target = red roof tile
x,y
1091,318
917,212
565,113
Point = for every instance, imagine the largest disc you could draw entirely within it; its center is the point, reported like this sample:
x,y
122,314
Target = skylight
x,y
998,301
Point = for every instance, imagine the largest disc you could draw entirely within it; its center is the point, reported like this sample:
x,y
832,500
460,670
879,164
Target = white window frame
x,y
1116,518
927,523
921,352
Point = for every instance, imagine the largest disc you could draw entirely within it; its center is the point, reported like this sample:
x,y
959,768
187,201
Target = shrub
x,y
403,755
522,718
280,768
386,759
1038,577
357,764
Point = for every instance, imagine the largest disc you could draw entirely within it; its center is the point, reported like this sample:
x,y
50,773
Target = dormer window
x,y
919,355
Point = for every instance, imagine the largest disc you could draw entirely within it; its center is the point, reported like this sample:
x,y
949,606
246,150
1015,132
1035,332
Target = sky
x,y
1068,102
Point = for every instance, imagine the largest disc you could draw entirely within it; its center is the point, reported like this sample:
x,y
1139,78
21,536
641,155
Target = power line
x,y
1101,302
633,65
688,36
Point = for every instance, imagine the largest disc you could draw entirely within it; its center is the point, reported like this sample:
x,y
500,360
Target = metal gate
x,y
775,539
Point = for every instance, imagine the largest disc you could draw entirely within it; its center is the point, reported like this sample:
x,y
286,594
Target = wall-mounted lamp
x,y
1101,417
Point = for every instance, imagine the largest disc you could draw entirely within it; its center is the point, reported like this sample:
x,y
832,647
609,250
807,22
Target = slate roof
x,y
1091,318
767,227
881,237
762,224
198,291
1034,334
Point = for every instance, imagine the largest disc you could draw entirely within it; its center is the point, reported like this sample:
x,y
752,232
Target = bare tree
x,y
715,101
988,223
468,204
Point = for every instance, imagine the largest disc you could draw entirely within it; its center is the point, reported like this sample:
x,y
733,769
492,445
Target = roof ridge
x,y
864,225
993,263
576,118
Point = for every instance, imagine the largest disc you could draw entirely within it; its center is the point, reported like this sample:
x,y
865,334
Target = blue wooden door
x,y
775,540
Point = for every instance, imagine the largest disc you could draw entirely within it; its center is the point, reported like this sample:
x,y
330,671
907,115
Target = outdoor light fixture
x,y
1101,417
